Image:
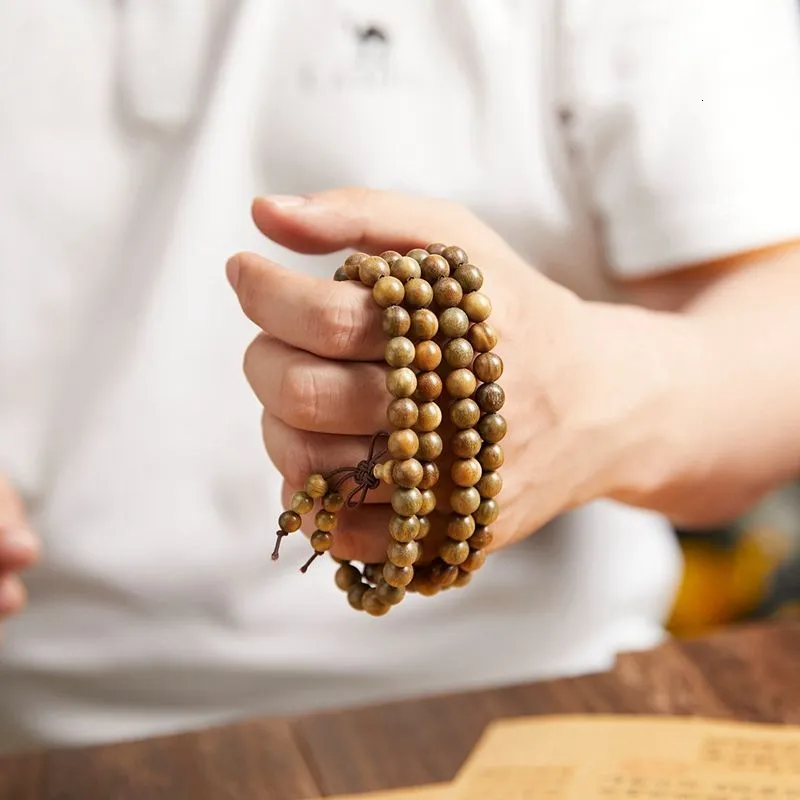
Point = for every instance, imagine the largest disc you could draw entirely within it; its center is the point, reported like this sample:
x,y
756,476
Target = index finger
x,y
331,319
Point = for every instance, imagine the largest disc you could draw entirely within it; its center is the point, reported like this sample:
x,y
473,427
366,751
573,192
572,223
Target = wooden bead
x,y
428,503
391,595
461,383
407,473
316,486
465,472
465,413
391,256
402,413
481,539
333,502
301,503
430,446
388,291
419,293
482,336
430,417
487,512
430,475
401,382
490,484
453,322
424,586
447,293
396,321
352,263
492,428
463,578
373,573
428,356
346,576
397,576
424,324
402,554
424,528
404,529
321,541
341,275
355,595
474,561
325,521
442,574
477,306
490,397
373,604
407,502
289,521
400,352
453,552
460,527
455,256
372,269
403,444
418,254
405,268
491,457
466,443
429,387
458,353
488,367
469,277
465,500
437,248
384,472
434,267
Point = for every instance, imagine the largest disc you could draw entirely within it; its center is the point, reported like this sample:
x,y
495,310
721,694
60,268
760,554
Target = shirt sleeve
x,y
686,126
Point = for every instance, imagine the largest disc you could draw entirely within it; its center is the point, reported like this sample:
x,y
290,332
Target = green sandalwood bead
x,y
453,552
469,277
404,529
428,356
402,554
424,528
453,322
405,268
355,595
487,512
465,500
466,443
333,502
418,254
396,321
433,268
447,293
321,541
474,561
465,413
406,502
488,367
461,383
458,353
418,293
388,292
302,503
289,521
325,521
373,573
460,527
403,444
490,397
346,576
401,382
430,475
397,576
430,446
316,486
455,256
491,456
477,306
391,256
400,352
428,502
341,275
352,263
402,413
424,324
430,417
492,428
465,472
463,578
437,248
372,269
481,539
373,604
442,574
407,473
482,336
429,387
490,484
391,595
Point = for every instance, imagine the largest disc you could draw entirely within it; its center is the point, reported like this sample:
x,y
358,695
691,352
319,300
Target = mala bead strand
x,y
440,364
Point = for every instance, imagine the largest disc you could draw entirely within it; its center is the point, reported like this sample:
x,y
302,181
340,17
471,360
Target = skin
x,y
668,403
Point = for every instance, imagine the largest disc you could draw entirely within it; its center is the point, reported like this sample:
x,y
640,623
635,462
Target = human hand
x,y
19,549
574,419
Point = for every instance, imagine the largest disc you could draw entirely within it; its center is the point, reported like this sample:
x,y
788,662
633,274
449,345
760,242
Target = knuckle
x,y
300,399
340,326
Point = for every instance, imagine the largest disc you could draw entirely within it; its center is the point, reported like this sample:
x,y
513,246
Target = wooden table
x,y
750,673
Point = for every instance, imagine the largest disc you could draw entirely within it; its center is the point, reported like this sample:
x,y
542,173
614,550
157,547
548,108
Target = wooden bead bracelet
x,y
439,356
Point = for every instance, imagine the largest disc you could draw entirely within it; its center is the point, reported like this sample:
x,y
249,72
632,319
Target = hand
x,y
19,549
573,414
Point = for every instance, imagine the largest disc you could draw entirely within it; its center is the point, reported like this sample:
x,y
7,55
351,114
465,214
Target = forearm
x,y
726,373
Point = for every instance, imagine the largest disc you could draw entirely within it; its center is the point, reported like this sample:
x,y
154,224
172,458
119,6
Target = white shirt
x,y
604,140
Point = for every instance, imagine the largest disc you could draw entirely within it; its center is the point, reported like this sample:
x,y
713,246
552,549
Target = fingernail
x,y
232,272
19,543
286,200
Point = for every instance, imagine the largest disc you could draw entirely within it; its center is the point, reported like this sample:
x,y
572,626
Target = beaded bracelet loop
x,y
441,360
